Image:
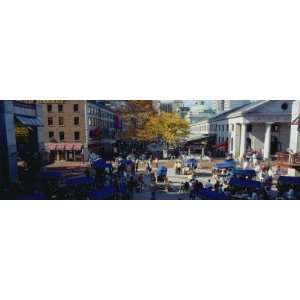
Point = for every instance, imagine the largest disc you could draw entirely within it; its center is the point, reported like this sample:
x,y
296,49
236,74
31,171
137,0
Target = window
x,y
49,107
50,121
232,127
60,108
76,108
90,121
76,121
275,128
61,121
223,127
284,106
76,135
61,135
249,128
91,134
227,127
51,134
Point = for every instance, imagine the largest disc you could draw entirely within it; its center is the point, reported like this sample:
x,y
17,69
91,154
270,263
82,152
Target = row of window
x,y
100,123
225,127
101,113
60,108
61,121
61,135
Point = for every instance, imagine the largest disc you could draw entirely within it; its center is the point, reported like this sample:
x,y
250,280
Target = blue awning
x,y
244,172
102,194
27,121
162,171
51,175
79,180
245,183
225,165
212,195
289,179
99,164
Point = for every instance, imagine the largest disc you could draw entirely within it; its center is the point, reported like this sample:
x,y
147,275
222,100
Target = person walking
x,y
153,189
149,166
137,162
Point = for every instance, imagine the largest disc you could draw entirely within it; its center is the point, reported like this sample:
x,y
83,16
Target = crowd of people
x,y
129,175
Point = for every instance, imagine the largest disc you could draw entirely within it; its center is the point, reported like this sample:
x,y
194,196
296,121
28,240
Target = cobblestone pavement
x,y
175,181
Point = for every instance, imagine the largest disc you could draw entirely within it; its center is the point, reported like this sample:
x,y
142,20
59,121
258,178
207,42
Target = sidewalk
x,y
61,164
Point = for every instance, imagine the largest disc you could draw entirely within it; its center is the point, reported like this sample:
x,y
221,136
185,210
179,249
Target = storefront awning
x,y
199,137
64,146
223,145
26,121
77,147
69,146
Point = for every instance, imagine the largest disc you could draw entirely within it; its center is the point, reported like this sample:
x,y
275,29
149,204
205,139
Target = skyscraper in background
x,y
230,104
224,105
218,105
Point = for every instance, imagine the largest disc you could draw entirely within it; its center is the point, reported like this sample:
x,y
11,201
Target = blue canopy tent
x,y
37,196
227,164
51,175
104,193
126,162
99,163
80,180
212,195
289,180
245,183
243,172
162,171
191,163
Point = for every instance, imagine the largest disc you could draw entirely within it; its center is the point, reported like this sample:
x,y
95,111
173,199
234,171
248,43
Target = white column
x,y
203,152
243,140
294,135
236,141
267,143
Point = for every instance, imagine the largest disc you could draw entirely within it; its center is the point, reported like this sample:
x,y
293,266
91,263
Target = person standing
x,y
156,163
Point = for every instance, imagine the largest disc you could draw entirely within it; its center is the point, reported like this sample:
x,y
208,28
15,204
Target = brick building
x,y
75,128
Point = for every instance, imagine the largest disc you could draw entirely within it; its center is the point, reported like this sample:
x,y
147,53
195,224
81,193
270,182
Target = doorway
x,y
274,145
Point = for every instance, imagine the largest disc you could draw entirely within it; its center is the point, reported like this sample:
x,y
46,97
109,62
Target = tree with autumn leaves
x,y
135,114
144,123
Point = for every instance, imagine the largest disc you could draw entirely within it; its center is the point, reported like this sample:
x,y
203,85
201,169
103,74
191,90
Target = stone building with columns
x,y
259,126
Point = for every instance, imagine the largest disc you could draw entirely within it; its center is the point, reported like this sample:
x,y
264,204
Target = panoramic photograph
x,y
150,149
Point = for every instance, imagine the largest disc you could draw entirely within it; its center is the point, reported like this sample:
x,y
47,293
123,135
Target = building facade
x,y
198,112
166,107
76,128
262,126
231,104
218,105
21,136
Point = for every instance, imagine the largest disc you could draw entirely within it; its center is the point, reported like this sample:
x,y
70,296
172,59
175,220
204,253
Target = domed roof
x,y
200,107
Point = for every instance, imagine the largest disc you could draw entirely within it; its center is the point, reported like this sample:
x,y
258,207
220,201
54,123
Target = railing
x,y
292,160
